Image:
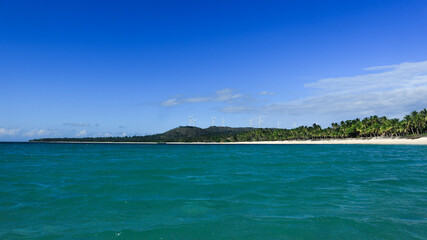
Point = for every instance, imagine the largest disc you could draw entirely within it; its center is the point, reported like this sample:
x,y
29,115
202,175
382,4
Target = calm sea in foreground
x,y
113,191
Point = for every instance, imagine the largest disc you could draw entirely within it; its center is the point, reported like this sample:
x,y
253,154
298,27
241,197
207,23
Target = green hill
x,y
179,134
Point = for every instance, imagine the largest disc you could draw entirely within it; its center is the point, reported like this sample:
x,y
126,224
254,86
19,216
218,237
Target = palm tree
x,y
407,120
423,116
415,120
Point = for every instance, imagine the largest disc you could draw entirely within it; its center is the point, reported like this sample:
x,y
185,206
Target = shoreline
x,y
347,141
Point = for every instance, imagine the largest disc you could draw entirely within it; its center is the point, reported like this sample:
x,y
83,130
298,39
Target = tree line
x,y
414,123
373,126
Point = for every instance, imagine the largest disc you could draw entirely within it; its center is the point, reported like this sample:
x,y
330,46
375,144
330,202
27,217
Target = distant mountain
x,y
179,134
194,132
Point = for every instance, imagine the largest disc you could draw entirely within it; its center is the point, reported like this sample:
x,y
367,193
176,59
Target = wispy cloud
x,y
82,133
226,95
170,102
196,100
400,76
222,95
9,131
394,90
376,68
39,132
77,124
267,93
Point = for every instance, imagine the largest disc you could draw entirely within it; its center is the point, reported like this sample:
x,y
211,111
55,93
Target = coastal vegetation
x,y
414,123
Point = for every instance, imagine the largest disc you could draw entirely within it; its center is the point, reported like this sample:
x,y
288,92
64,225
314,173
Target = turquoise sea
x,y
118,191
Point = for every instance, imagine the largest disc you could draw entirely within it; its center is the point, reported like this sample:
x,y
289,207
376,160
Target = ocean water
x,y
113,191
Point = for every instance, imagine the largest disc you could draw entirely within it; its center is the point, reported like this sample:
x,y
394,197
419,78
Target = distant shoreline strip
x,y
371,141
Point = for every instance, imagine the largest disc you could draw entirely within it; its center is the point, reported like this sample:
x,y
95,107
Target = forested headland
x,y
412,124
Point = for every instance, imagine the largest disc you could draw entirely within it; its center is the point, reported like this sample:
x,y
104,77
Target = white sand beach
x,y
375,141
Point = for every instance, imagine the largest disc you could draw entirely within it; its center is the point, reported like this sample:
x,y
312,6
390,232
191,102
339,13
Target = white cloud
x,y
81,133
197,99
170,102
37,132
226,94
404,75
267,93
77,124
223,95
386,102
111,134
396,89
381,67
9,131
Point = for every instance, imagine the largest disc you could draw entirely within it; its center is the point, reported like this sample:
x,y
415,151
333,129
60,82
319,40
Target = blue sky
x,y
101,68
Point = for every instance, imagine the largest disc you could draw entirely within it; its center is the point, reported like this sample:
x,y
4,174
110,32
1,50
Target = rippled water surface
x,y
113,191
